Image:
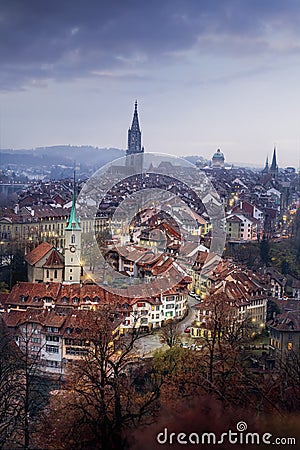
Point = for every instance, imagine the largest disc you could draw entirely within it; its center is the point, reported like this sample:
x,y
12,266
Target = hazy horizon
x,y
207,75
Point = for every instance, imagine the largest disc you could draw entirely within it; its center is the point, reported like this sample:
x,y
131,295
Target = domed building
x,y
218,159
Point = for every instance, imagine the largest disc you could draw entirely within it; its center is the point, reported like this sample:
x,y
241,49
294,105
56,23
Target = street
x,y
147,345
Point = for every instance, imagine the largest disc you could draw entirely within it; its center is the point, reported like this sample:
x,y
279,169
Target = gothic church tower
x,y
135,151
73,244
274,167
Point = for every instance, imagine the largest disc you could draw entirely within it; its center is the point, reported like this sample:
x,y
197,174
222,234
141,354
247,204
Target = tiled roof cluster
x,y
236,283
77,323
287,321
65,296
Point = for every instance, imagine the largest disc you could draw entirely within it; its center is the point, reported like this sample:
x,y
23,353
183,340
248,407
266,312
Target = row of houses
x,y
44,311
36,224
244,293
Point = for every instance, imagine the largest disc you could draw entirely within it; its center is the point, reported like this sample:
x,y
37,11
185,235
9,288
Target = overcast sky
x,y
207,74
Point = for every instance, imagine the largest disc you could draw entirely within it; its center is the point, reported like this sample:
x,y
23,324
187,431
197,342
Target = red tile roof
x,y
287,321
55,260
38,253
32,294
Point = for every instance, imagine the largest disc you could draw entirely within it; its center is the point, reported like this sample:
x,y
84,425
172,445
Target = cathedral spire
x,y
266,168
274,166
73,222
135,126
134,134
274,163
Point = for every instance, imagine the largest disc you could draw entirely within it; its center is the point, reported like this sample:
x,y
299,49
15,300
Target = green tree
x,y
264,248
285,268
3,287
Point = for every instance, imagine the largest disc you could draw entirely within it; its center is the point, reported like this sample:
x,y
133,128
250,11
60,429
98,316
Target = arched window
x,y
73,239
55,273
47,273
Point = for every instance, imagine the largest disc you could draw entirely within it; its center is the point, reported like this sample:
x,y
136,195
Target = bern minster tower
x,y
135,151
73,244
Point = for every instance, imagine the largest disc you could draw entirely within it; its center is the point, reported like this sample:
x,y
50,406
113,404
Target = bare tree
x,y
288,374
170,333
32,385
10,406
107,392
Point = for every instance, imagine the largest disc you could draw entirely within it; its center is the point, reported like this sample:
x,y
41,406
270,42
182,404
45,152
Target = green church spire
x,y
73,222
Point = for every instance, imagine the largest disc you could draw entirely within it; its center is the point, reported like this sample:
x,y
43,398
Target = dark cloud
x,y
54,39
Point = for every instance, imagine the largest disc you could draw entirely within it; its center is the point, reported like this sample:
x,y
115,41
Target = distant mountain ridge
x,y
60,155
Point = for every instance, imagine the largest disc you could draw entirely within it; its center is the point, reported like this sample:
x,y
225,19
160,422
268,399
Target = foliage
x,y
284,257
272,310
246,254
264,248
3,287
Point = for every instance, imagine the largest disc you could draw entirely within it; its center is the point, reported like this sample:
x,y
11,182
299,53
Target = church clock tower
x,y
73,244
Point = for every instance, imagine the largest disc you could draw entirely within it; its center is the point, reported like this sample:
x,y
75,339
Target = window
x,y
47,273
35,348
51,349
55,273
73,239
52,329
290,346
76,351
170,306
52,338
51,363
35,340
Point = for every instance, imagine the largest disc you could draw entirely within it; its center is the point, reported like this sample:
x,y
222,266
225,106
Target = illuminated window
x,y
290,346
